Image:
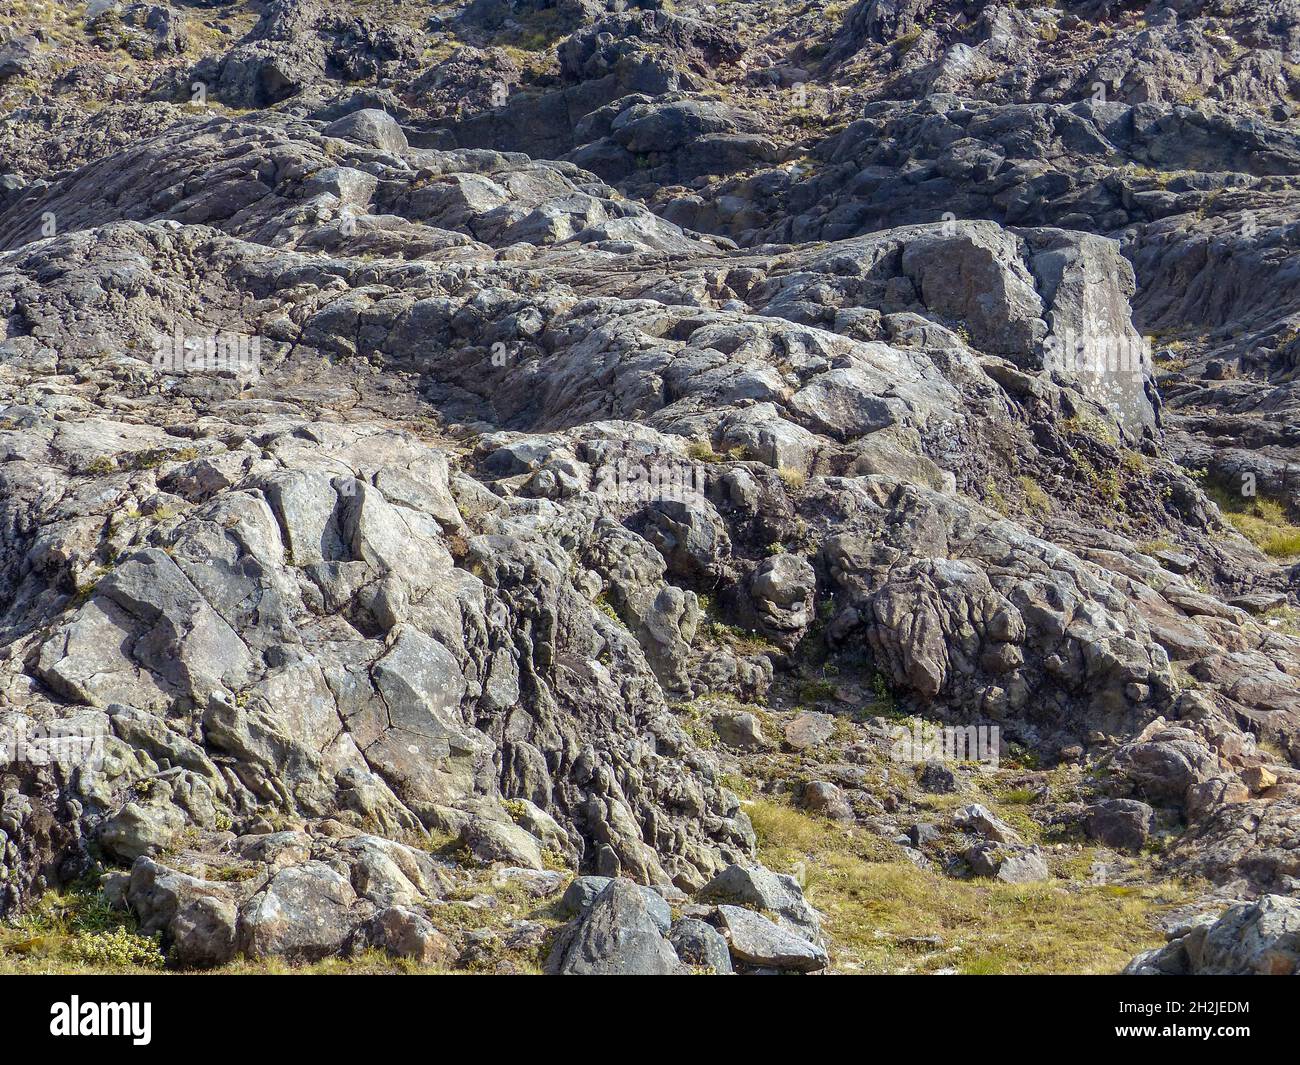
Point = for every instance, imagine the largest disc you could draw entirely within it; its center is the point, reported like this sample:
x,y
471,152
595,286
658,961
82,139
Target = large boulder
x,y
405,933
701,945
618,935
1120,823
1260,938
758,942
371,127
304,913
776,893
194,918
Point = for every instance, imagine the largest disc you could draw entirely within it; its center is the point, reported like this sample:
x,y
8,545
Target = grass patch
x,y
877,905
1285,619
1260,520
75,931
1037,500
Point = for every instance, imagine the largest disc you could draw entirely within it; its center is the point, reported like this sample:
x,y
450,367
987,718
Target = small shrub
x,y
116,949
793,478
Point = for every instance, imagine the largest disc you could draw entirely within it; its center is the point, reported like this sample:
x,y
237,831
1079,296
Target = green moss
x,y
907,42
993,497
816,691
1021,796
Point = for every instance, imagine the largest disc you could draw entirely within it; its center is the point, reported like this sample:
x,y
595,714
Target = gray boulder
x,y
194,918
775,893
1009,863
701,945
141,828
619,935
405,933
583,892
371,127
1120,823
304,913
756,941
1260,938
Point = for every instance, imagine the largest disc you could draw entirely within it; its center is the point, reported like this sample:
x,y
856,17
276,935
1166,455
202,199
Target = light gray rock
x,y
775,893
1260,938
583,891
977,819
740,729
304,913
825,798
141,829
405,933
371,127
499,841
756,941
195,918
809,729
1011,863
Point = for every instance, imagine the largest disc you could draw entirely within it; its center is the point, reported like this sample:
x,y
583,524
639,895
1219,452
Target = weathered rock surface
x,y
444,428
1260,938
618,935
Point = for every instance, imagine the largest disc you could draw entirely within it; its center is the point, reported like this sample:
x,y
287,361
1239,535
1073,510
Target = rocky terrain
x,y
595,487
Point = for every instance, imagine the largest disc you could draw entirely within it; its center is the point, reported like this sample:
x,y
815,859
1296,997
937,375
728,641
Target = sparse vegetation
x,y
1262,521
882,912
75,931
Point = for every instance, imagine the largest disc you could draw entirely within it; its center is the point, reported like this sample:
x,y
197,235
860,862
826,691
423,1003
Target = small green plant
x,y
76,926
1091,426
116,949
816,691
702,451
907,42
883,703
993,497
607,608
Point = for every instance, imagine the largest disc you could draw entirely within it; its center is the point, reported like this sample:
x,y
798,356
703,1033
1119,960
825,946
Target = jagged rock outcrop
x,y
1261,938
424,442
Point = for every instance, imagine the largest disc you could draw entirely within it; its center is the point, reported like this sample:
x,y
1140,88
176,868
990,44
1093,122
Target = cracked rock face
x,y
393,442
